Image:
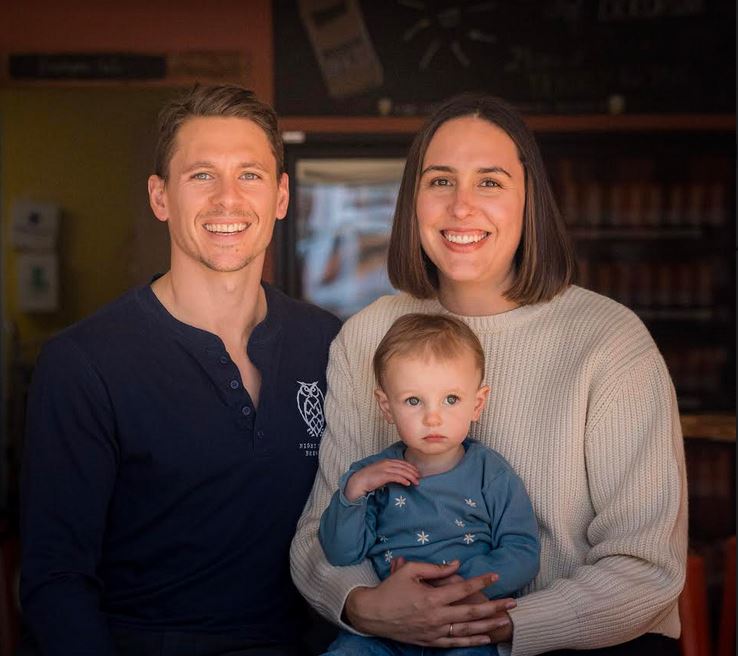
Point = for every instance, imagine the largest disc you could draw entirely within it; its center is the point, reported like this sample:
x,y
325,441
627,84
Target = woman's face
x,y
470,203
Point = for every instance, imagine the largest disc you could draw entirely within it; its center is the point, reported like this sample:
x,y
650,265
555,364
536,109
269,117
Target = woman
x,y
581,405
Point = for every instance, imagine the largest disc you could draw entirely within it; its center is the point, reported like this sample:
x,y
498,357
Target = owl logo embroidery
x,y
310,404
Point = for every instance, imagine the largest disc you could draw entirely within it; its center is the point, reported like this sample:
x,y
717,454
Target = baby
x,y
436,496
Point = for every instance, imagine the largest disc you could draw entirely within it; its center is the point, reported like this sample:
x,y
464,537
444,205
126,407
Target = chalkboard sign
x,y
399,57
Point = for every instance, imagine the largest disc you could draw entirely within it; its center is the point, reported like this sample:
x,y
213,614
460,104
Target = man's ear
x,y
479,401
383,403
283,196
158,197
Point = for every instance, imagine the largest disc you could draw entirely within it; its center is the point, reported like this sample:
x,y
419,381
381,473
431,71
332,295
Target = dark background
x,y
566,56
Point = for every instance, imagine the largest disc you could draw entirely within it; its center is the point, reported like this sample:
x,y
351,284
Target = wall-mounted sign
x,y
210,66
34,225
86,66
38,282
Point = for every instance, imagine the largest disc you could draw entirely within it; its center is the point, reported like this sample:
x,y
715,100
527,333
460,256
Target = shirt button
x,y
260,434
234,384
224,359
246,411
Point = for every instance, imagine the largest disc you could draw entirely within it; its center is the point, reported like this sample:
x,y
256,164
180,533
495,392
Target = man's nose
x,y
226,192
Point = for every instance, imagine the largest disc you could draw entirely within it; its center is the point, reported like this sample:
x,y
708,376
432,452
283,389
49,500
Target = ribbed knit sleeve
x,y
634,566
323,585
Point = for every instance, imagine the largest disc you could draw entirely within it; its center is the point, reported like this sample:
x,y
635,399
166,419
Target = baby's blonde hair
x,y
439,335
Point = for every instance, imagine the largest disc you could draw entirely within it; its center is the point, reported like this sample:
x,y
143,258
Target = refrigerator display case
x,y
332,248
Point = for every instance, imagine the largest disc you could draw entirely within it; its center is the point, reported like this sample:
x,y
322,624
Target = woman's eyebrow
x,y
450,169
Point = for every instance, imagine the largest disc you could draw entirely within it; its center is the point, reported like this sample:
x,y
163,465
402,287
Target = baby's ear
x,y
383,403
479,401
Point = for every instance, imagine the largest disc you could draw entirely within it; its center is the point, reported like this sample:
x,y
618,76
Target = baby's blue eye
x,y
413,401
452,399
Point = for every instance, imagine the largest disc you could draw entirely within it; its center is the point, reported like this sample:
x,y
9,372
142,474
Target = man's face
x,y
222,196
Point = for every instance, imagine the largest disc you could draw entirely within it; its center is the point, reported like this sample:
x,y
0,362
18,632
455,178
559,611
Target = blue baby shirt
x,y
478,512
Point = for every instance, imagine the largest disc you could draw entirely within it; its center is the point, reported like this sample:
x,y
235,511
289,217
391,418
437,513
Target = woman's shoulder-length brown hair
x,y
544,262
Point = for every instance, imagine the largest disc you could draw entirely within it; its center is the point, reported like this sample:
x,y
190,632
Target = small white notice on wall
x,y
38,282
35,225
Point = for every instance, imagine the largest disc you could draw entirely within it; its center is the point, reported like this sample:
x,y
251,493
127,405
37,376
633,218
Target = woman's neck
x,y
473,300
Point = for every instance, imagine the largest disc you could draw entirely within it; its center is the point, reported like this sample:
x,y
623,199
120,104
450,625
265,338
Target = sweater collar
x,y
494,323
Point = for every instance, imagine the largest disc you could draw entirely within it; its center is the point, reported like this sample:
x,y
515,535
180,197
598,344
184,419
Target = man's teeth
x,y
464,238
225,227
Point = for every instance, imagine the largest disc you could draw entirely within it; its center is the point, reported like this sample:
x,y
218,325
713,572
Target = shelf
x,y
718,427
679,314
537,123
593,233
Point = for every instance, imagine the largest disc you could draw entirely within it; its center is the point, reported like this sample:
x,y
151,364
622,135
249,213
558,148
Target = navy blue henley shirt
x,y
154,495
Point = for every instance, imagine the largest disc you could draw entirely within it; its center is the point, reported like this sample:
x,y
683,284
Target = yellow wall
x,y
89,151
88,148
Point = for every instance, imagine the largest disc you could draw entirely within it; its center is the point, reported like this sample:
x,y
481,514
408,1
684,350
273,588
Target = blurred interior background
x,y
633,103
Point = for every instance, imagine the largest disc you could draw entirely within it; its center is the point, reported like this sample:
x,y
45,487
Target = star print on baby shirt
x,y
471,503
400,501
459,523
469,538
423,537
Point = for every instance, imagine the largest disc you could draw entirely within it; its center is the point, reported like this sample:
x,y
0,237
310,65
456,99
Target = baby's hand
x,y
378,474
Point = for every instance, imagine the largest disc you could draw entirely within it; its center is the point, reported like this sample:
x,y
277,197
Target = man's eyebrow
x,y
449,169
207,164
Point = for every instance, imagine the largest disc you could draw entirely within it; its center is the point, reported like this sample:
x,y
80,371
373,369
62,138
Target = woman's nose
x,y
461,203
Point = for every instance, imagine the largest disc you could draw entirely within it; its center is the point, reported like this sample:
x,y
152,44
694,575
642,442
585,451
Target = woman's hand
x,y
503,633
406,607
374,476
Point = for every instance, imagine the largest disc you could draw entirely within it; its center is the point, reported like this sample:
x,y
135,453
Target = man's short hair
x,y
228,101
543,263
436,335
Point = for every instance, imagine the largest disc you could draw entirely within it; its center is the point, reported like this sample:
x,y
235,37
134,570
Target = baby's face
x,y
432,401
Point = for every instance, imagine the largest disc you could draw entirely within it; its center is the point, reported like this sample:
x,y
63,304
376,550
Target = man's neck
x,y
229,304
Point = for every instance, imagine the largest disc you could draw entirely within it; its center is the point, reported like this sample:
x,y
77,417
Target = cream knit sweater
x,y
582,407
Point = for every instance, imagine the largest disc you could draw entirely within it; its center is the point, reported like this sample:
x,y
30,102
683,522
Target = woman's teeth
x,y
464,237
225,227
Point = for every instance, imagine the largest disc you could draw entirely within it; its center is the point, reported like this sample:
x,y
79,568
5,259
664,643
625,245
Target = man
x,y
172,436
